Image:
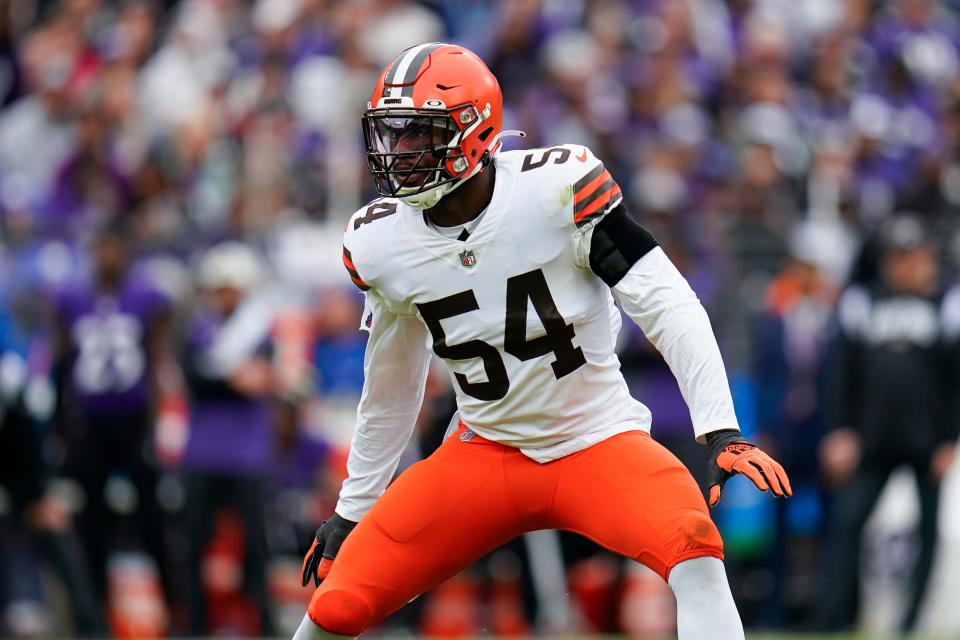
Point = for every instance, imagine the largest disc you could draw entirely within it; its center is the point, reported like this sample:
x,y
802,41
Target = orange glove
x,y
730,454
326,543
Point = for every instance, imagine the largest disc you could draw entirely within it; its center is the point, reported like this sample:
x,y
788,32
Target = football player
x,y
509,266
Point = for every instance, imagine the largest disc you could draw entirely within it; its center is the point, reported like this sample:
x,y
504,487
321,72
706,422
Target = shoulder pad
x,y
357,234
371,212
584,179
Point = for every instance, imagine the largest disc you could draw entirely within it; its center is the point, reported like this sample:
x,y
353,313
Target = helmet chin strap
x,y
431,197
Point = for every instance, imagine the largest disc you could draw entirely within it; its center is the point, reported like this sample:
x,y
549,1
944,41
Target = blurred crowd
x,y
180,354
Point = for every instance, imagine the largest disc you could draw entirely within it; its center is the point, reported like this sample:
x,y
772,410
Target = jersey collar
x,y
450,249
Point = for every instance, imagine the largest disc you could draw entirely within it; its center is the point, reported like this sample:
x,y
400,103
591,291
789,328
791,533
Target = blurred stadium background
x,y
195,158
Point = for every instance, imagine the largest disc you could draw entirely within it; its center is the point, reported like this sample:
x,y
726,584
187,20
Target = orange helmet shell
x,y
437,78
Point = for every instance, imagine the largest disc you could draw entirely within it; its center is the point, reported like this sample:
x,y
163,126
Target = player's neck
x,y
467,202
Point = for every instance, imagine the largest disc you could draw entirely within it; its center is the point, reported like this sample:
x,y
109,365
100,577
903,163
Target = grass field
x,y
750,636
792,636
779,636
817,636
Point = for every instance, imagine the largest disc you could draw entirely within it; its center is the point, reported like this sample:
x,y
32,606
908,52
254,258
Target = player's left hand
x,y
729,454
326,544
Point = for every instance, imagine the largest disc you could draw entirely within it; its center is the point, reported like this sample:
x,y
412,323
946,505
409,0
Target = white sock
x,y
705,607
309,631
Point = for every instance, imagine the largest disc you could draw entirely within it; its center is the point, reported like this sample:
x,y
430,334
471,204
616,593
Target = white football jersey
x,y
524,326
528,336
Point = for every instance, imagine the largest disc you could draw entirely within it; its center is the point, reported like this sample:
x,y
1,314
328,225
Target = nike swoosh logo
x,y
583,156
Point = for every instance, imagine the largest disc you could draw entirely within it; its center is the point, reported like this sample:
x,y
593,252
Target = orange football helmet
x,y
434,121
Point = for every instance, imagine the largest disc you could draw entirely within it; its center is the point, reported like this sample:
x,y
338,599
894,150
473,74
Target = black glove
x,y
729,454
331,534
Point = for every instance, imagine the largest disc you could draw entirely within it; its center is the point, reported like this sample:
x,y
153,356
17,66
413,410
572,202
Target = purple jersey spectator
x,y
108,334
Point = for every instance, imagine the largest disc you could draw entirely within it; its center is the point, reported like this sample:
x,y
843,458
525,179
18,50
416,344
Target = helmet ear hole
x,y
485,134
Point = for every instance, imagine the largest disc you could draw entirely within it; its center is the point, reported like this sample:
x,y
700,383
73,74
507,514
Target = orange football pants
x,y
627,493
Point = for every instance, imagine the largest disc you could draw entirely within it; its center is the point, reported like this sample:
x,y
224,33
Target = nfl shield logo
x,y
467,258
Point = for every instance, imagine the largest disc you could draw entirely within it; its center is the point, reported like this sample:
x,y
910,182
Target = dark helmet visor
x,y
406,150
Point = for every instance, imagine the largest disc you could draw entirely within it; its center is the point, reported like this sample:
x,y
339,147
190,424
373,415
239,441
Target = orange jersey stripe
x,y
588,188
349,263
360,283
602,201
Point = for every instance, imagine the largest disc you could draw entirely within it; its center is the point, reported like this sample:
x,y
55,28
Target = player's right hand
x,y
730,454
331,534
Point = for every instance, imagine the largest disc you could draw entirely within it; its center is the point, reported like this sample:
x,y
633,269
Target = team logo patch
x,y
467,258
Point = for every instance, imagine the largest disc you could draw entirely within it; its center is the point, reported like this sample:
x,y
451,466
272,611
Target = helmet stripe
x,y
414,69
405,70
388,76
399,68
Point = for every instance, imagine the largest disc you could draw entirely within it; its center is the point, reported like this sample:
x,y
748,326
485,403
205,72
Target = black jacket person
x,y
893,363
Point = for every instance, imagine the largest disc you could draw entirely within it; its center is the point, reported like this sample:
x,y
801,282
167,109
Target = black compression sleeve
x,y
617,243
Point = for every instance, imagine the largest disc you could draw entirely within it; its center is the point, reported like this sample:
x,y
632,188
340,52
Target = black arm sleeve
x,y
616,245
